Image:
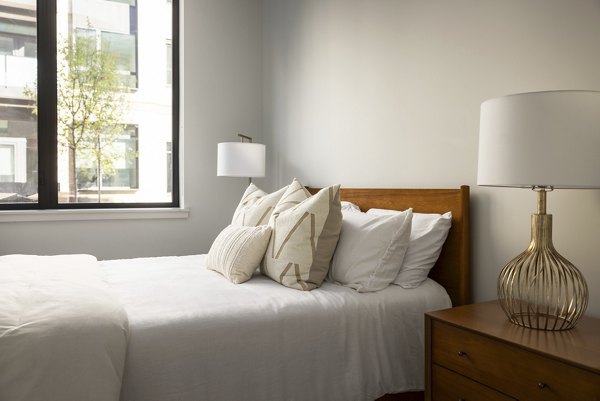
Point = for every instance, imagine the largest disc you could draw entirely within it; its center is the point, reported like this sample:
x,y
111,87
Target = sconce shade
x,y
546,139
240,159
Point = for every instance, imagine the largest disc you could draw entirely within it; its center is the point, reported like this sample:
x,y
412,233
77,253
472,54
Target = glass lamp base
x,y
540,321
540,289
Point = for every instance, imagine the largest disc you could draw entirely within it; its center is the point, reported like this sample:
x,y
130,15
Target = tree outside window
x,y
90,109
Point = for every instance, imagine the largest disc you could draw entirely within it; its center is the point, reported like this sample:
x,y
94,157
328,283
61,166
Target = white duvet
x,y
63,334
168,329
196,336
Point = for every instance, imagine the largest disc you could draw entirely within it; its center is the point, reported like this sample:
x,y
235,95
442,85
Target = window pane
x,y
18,121
113,151
122,47
122,180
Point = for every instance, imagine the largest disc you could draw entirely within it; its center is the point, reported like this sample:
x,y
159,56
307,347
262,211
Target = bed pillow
x,y
256,206
371,250
427,237
237,251
350,207
303,239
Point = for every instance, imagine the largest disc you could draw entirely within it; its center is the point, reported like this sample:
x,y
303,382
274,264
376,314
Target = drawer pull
x,y
462,353
542,385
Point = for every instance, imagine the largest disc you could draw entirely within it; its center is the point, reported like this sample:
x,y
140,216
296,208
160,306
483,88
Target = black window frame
x,y
47,120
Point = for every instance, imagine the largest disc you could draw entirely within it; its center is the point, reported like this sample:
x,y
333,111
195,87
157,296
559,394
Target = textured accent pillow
x,y
371,250
256,206
427,237
237,251
304,239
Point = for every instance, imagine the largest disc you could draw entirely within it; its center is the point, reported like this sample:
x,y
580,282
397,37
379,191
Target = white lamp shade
x,y
541,139
241,159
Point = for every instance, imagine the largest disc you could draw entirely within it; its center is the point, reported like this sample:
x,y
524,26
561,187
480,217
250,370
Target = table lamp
x,y
542,141
241,159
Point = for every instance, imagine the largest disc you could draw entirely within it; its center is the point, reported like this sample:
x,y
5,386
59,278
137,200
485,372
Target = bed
x,y
189,334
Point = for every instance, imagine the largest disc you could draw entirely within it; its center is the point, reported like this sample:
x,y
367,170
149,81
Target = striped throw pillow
x,y
237,251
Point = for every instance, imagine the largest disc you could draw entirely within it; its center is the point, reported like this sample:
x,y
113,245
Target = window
x,y
13,160
89,128
123,178
123,47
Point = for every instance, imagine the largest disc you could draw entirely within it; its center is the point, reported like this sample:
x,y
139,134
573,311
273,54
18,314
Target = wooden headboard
x,y
452,269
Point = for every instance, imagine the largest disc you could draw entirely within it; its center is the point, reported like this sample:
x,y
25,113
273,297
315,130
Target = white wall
x,y
221,97
386,93
373,93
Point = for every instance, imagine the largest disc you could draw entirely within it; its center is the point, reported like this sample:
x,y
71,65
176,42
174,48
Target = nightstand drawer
x,y
450,386
510,369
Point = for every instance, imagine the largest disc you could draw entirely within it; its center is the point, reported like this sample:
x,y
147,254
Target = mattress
x,y
193,335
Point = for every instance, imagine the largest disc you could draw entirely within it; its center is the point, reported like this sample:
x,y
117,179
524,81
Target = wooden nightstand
x,y
474,353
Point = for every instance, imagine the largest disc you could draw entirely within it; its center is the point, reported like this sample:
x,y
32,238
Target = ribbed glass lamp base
x,y
540,289
541,321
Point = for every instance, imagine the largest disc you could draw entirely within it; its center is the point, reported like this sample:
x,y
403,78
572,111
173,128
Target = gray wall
x,y
386,93
222,91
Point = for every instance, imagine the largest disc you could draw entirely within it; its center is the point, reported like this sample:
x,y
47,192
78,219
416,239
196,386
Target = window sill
x,y
93,214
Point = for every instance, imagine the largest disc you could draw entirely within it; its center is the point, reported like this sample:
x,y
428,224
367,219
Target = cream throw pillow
x,y
237,251
295,194
304,238
256,206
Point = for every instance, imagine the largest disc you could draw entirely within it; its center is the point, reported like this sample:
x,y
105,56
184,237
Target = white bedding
x,y
196,336
63,335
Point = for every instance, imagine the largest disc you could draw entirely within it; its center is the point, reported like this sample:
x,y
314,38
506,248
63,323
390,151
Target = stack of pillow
x,y
292,232
299,240
382,247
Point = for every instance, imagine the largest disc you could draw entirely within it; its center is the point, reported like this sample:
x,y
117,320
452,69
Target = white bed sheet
x,y
196,336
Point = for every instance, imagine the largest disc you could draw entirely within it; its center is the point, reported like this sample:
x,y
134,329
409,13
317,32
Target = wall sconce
x,y
241,159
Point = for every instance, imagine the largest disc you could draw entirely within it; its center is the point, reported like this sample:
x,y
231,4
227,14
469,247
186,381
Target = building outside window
x,y
111,55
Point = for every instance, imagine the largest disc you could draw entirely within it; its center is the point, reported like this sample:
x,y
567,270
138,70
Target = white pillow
x,y
427,237
256,206
370,250
304,238
350,207
237,251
